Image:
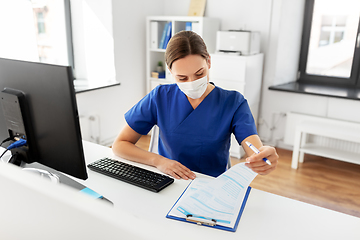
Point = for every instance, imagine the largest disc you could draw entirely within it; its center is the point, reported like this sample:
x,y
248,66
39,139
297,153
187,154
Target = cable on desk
x,y
19,143
6,140
4,153
9,139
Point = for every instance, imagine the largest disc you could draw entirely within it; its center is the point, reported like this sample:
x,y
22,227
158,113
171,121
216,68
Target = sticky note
x,y
91,193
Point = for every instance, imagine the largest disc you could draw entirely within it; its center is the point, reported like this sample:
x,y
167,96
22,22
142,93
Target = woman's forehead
x,y
188,65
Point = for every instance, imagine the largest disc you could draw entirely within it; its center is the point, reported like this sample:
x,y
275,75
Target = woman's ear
x,y
209,61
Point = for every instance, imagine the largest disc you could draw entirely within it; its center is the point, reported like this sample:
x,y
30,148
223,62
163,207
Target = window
x,y
330,51
52,32
40,31
40,23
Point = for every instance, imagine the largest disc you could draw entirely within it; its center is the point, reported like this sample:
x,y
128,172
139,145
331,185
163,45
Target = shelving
x,y
343,132
205,27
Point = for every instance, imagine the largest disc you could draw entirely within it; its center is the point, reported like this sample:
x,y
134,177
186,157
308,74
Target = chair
x,y
154,139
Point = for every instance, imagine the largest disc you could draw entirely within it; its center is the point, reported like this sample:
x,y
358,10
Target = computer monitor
x,y
49,113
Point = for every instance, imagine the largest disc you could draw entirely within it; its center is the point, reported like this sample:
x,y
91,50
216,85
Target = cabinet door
x,y
229,85
228,72
227,68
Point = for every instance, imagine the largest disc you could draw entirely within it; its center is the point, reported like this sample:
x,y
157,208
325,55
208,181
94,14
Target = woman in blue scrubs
x,y
195,118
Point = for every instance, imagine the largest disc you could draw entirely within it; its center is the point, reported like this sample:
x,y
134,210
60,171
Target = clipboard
x,y
208,222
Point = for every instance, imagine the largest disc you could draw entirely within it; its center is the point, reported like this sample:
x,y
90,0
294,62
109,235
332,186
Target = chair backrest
x,y
228,163
154,139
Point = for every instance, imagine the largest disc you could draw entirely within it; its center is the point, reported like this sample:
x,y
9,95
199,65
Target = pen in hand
x,y
255,150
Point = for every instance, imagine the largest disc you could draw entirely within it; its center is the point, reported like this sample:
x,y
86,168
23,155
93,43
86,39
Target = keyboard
x,y
131,174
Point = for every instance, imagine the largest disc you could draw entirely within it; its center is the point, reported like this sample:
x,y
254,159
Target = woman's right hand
x,y
124,146
174,168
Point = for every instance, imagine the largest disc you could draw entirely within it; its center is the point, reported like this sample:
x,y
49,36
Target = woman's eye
x,y
199,74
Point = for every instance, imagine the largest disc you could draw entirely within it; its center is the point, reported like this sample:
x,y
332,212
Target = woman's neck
x,y
196,102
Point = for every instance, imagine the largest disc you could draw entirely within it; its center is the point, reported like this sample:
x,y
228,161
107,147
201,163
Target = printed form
x,y
219,199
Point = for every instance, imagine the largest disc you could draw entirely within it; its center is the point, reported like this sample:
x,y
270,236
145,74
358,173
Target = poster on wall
x,y
197,8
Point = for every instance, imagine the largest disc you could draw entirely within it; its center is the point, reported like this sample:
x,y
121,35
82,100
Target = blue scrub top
x,y
198,138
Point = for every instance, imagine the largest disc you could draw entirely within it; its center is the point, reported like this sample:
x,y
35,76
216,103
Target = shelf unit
x,y
327,152
204,26
343,132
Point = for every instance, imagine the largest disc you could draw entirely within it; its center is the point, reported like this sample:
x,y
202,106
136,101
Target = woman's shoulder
x,y
164,88
230,95
163,91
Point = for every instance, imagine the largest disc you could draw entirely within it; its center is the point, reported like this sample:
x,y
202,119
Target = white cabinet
x,y
243,74
205,27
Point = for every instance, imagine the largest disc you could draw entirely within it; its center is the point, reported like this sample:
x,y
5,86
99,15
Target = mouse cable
x,y
9,139
6,140
21,142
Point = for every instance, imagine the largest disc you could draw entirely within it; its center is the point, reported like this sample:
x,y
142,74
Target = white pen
x,y
255,150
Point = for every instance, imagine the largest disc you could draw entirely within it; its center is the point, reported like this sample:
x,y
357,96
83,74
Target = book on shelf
x,y
161,44
154,42
195,27
168,35
188,26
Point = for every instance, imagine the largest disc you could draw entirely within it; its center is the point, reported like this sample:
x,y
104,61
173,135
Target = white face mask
x,y
194,89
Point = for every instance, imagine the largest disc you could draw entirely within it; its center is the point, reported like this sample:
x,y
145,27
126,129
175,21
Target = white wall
x,y
233,14
280,24
93,41
110,104
281,66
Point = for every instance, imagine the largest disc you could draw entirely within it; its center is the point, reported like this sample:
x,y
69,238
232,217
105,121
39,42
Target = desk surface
x,y
266,216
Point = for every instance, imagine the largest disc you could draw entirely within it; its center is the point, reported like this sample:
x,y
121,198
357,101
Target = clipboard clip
x,y
199,220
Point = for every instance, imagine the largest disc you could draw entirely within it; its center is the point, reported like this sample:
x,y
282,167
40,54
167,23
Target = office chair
x,y
154,139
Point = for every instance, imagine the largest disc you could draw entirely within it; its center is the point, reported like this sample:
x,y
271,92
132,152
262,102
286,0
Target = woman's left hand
x,y
256,163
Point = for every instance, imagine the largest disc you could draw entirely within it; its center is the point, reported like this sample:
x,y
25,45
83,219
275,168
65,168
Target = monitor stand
x,y
48,173
61,178
44,174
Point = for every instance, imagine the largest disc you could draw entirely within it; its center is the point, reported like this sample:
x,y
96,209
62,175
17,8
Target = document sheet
x,y
219,199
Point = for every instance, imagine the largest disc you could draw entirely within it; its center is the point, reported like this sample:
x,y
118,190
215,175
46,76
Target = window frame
x,y
69,37
303,77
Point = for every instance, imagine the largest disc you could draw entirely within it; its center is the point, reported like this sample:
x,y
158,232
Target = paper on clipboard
x,y
218,199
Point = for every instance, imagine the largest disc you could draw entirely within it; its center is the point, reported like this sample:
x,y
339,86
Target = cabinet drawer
x,y
229,85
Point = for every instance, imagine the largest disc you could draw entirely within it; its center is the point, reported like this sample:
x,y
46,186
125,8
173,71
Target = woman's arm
x,y
254,161
124,146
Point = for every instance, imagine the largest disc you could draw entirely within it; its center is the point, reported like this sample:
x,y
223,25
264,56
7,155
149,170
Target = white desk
x,y
266,216
141,213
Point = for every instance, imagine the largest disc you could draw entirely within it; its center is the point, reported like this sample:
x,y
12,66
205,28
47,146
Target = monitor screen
x,y
52,119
